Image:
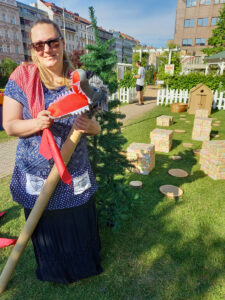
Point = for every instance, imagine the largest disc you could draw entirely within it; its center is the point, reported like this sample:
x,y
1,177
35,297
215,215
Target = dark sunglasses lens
x,y
39,46
54,43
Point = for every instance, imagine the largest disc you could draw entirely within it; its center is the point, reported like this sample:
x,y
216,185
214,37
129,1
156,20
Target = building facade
x,y
104,35
124,45
28,14
195,20
118,45
10,35
128,44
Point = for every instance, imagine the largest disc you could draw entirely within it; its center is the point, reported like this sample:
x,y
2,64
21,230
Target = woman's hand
x,y
43,120
85,125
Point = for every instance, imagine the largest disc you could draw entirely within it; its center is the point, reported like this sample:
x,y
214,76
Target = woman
x,y
66,241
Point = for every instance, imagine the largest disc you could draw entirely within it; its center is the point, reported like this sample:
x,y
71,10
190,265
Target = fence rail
x,y
128,95
166,97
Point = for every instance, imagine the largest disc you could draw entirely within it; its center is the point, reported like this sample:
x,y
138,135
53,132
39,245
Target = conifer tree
x,y
217,40
109,165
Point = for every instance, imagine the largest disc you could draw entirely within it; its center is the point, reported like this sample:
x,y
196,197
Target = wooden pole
x,y
38,209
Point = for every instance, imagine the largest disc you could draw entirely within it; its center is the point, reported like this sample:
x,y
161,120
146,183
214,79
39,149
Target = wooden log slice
x,y
171,191
187,145
136,184
179,130
215,135
182,119
175,157
178,173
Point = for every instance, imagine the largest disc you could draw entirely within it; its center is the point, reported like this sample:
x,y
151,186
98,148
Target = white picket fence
x,y
128,95
166,97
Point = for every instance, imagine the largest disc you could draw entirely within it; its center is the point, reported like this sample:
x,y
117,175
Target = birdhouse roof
x,y
200,86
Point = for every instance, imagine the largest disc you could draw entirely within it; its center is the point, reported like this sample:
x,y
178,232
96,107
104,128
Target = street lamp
x,y
64,27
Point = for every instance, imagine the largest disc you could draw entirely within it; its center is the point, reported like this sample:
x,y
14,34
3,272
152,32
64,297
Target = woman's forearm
x,y
21,128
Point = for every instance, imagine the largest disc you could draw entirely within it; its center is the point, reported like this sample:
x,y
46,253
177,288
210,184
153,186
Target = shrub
x,y
189,81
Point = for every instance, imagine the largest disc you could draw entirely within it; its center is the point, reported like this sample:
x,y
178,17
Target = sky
x,y
152,22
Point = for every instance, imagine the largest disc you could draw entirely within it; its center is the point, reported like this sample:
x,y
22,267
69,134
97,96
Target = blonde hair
x,y
46,76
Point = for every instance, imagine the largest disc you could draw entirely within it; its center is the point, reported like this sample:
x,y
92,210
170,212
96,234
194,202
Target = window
x,y
203,22
189,23
1,48
206,2
3,17
12,20
187,42
17,49
200,41
219,1
14,35
190,3
8,49
213,21
6,33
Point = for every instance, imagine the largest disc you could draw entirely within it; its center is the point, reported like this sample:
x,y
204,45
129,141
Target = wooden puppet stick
x,y
38,209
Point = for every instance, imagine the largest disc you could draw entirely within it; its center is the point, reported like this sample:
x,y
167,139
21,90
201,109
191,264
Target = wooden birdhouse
x,y
200,97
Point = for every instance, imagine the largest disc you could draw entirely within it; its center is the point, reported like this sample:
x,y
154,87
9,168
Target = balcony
x,y
28,16
68,29
193,63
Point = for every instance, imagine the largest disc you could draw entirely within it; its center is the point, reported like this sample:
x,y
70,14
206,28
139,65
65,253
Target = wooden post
x,y
38,209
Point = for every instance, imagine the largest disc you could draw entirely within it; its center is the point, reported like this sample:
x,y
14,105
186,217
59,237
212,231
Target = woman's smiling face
x,y
50,55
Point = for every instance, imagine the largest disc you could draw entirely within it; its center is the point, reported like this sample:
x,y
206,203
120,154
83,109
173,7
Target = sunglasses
x,y
53,44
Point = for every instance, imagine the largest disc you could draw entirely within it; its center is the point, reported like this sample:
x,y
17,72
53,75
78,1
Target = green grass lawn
x,y
168,250
4,137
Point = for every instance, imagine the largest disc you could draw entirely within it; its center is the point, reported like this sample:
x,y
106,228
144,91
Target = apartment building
x,y
124,45
195,20
28,14
10,35
128,44
85,34
104,35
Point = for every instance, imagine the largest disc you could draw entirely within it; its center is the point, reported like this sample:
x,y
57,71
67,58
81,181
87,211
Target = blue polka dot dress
x,y
66,241
32,169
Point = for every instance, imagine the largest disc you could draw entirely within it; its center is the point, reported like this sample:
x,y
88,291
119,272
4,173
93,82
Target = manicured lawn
x,y
4,137
168,250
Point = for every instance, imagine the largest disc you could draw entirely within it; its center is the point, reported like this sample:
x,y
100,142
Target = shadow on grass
x,y
183,268
150,258
141,121
10,213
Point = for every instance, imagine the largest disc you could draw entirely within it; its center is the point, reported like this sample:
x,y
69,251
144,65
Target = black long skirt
x,y
67,244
